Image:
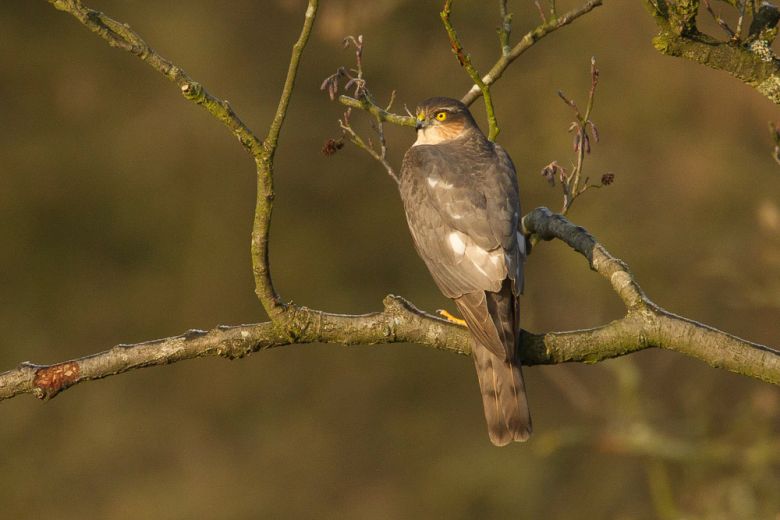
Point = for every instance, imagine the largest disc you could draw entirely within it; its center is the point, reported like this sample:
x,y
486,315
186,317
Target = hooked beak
x,y
421,122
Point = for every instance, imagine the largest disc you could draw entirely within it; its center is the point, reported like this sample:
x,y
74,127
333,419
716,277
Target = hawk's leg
x,y
449,317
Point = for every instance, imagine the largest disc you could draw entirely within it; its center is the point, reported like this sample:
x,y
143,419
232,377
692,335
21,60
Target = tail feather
x,y
493,318
503,397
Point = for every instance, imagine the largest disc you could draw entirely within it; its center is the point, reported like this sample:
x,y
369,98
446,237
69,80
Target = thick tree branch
x,y
760,72
645,325
399,322
752,60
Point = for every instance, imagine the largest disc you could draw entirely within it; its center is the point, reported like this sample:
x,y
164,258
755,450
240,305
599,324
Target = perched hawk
x,y
461,200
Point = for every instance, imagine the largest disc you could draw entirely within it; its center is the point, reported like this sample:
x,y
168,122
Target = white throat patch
x,y
430,135
433,135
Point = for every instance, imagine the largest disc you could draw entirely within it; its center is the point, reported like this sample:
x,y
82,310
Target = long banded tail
x,y
503,397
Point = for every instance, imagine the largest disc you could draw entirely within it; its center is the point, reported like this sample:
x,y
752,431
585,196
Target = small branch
x,y
358,141
740,20
541,11
272,138
261,224
585,131
525,43
331,85
465,62
721,22
582,144
775,134
495,73
645,325
120,35
378,112
505,29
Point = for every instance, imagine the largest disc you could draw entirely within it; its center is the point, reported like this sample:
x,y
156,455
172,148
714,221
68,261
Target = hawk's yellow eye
x,y
441,116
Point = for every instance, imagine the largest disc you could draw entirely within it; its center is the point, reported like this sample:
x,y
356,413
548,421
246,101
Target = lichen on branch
x,y
748,58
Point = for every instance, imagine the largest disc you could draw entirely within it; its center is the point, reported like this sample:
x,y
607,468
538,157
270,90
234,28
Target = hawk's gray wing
x,y
462,207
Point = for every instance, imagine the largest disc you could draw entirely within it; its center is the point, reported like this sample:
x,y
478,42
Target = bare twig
x,y
740,20
120,35
331,85
775,134
495,73
525,43
363,99
505,29
720,21
584,131
358,141
541,11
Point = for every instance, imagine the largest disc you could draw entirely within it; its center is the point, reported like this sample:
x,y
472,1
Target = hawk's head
x,y
442,119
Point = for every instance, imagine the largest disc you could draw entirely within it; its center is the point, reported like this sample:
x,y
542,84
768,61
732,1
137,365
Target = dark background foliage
x,y
125,216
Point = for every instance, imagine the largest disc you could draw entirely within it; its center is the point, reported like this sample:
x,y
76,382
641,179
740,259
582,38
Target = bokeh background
x,y
125,216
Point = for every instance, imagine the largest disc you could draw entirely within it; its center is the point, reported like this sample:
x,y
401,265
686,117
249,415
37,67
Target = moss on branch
x,y
750,60
742,63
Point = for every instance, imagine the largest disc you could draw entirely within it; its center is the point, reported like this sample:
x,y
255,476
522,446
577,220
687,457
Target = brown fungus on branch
x,y
51,380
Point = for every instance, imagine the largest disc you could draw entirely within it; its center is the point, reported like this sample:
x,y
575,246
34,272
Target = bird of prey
x,y
461,200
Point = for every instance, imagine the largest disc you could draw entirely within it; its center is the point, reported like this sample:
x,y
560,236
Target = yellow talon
x,y
449,317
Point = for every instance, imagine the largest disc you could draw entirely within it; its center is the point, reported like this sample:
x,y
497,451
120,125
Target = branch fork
x,y
645,324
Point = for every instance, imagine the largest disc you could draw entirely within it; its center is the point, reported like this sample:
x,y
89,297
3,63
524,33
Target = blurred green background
x,y
125,216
